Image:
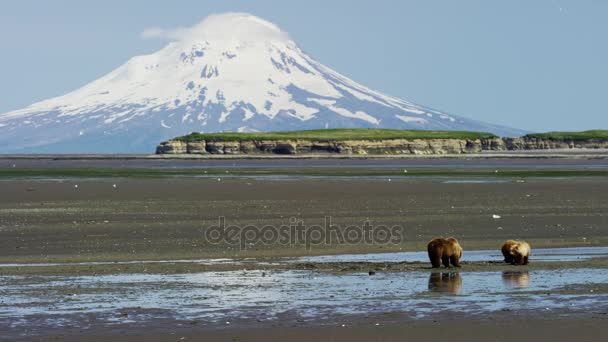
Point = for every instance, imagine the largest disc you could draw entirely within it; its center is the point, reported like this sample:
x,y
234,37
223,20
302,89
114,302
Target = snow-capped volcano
x,y
231,72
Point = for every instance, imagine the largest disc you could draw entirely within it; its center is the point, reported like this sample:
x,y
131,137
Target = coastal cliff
x,y
374,142
292,147
534,143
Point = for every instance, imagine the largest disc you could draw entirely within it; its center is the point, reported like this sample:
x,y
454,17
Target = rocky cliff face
x,y
530,143
389,146
292,147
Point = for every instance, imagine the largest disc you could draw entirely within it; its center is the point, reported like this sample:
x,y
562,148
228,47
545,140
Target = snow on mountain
x,y
231,72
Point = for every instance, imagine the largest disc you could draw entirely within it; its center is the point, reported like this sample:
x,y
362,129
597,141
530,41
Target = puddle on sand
x,y
538,254
217,261
477,181
46,302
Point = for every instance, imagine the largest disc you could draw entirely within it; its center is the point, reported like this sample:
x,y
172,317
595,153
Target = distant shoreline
x,y
531,154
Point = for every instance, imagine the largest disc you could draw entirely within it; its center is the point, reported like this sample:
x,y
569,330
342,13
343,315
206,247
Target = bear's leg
x,y
435,259
519,260
525,260
454,261
508,259
446,261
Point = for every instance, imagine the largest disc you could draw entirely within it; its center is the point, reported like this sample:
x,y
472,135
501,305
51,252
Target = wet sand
x,y
164,218
339,264
456,329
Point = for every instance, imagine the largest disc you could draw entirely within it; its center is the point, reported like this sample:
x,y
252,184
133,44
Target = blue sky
x,y
538,65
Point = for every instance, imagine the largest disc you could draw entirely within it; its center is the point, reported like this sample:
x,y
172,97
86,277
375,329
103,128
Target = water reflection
x,y
446,282
39,303
516,279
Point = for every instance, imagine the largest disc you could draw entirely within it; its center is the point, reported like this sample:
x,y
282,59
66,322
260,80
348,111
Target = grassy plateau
x,y
336,134
575,136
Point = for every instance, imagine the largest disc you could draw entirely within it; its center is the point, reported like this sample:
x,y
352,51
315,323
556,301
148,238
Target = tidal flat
x,y
122,219
91,254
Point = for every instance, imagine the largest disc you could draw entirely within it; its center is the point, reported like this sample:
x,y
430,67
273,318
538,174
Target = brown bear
x,y
516,252
444,251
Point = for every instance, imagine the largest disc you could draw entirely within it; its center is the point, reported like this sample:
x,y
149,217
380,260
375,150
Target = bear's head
x,y
455,246
520,248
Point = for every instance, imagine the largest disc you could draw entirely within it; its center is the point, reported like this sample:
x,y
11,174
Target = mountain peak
x,y
234,26
230,72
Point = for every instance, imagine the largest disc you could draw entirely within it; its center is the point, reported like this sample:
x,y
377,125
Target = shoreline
x,y
270,254
527,154
273,265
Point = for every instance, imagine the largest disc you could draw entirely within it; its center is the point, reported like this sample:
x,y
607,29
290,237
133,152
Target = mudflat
x,y
458,329
46,220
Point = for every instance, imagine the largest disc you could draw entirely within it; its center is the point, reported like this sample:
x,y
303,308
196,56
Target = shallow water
x,y
478,181
53,301
208,261
538,254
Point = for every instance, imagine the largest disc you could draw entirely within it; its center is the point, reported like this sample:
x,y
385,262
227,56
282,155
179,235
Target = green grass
x,y
379,134
336,134
575,136
308,172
